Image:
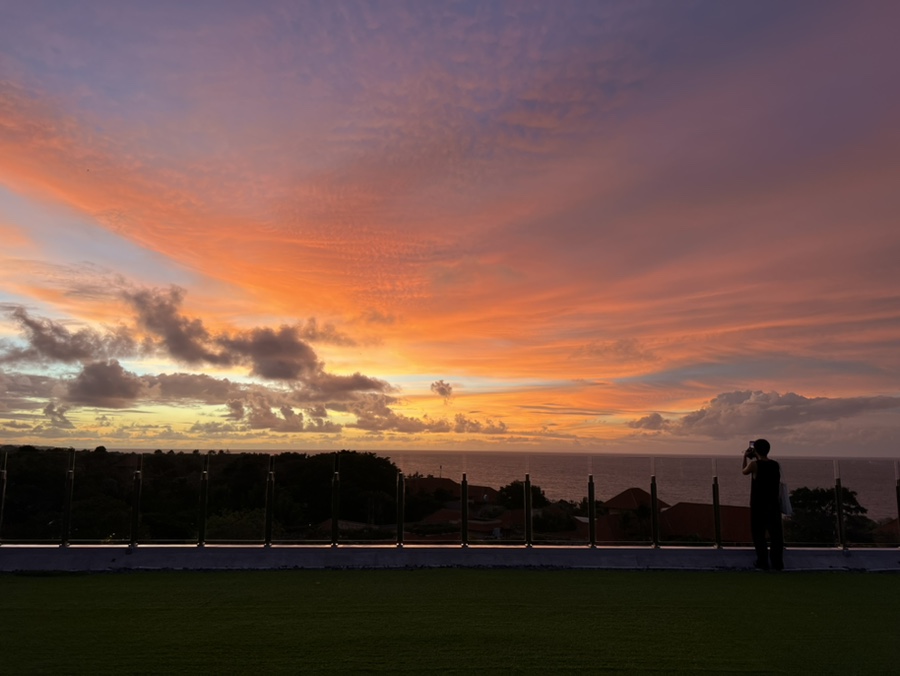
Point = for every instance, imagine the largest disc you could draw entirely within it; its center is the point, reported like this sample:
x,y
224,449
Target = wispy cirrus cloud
x,y
590,218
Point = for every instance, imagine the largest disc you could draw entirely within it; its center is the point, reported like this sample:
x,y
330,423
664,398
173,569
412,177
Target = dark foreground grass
x,y
450,621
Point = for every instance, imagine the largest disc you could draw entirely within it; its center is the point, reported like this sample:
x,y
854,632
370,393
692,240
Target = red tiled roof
x,y
631,499
430,484
888,532
483,494
692,520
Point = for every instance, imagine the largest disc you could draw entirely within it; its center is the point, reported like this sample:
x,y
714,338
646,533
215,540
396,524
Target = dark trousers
x,y
761,522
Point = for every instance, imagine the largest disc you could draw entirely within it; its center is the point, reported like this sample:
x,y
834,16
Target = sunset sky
x,y
575,226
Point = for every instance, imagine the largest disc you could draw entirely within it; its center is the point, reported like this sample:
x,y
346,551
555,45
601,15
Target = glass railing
x,y
623,487
174,488
880,500
301,499
63,497
102,490
236,507
33,496
686,501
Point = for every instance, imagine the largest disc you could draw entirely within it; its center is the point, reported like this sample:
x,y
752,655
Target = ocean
x,y
678,478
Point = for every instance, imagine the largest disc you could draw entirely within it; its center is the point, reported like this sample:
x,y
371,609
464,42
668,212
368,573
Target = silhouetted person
x,y
765,508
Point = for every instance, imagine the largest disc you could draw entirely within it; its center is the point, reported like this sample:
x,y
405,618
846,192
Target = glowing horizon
x,y
591,227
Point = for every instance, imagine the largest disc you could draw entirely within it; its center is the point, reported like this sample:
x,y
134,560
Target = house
x,y
888,532
631,500
608,529
483,495
693,521
431,485
478,495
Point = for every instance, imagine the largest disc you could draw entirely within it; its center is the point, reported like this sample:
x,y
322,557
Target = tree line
x,y
103,492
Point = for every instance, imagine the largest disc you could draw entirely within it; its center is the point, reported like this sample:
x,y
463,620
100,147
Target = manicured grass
x,y
450,621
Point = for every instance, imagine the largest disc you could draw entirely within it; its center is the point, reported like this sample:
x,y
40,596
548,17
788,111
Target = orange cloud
x,y
603,230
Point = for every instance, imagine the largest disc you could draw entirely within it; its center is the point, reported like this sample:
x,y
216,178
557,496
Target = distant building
x,y
478,495
631,500
692,521
627,517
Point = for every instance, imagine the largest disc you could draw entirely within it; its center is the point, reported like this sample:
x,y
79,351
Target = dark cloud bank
x,y
295,395
747,413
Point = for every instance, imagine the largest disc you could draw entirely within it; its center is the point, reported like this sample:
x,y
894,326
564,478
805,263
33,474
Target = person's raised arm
x,y
749,466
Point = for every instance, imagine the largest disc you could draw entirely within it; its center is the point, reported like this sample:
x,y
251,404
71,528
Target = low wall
x,y
98,558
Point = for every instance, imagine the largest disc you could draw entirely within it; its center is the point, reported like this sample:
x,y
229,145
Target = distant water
x,y
563,476
678,478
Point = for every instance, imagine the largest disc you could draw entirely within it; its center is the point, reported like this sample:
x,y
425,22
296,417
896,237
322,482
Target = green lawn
x,y
450,621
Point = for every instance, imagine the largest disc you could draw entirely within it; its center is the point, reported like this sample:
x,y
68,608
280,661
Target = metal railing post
x,y
3,492
529,534
335,508
67,501
717,516
839,513
204,503
654,512
464,504
270,502
897,491
592,512
136,489
401,507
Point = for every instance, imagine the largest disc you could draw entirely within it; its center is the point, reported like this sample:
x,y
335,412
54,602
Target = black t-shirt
x,y
764,486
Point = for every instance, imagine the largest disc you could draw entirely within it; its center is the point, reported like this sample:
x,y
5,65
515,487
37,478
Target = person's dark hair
x,y
761,446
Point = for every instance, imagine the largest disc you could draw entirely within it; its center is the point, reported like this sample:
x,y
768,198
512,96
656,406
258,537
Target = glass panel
x,y
888,531
811,482
302,510
368,508
623,486
35,485
236,510
102,496
496,490
499,478
685,493
875,487
433,502
734,501
170,497
560,488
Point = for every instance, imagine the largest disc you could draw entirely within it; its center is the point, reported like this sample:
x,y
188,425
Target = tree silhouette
x,y
815,517
512,495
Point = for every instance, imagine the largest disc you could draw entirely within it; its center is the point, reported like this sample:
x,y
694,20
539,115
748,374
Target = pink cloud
x,y
630,196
